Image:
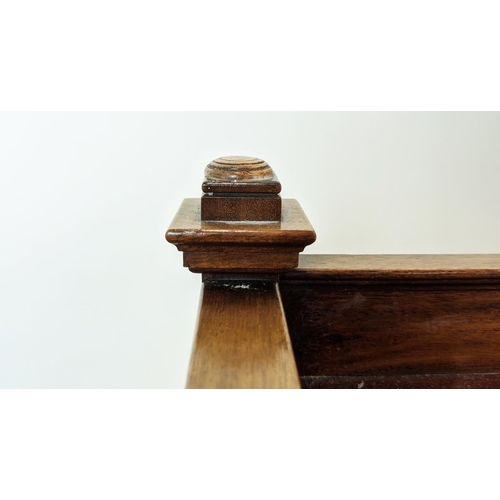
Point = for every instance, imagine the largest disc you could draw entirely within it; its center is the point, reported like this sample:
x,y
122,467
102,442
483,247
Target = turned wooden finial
x,y
238,168
240,188
240,224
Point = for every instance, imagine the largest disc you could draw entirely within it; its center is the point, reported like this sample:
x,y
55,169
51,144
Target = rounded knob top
x,y
238,168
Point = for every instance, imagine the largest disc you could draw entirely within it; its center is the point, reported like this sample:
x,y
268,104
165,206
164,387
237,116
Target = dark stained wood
x,y
393,267
394,316
436,381
242,339
188,228
215,247
239,277
242,226
270,186
368,321
231,259
356,329
240,188
241,208
240,235
238,168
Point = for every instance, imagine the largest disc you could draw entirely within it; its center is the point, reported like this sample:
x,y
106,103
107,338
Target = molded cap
x,y
238,168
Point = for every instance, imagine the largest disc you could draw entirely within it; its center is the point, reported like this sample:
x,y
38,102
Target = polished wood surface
x,y
242,339
241,208
187,228
240,235
270,186
238,247
360,321
393,267
240,188
238,168
394,316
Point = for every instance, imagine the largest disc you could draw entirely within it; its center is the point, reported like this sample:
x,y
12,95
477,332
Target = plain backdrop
x,y
91,294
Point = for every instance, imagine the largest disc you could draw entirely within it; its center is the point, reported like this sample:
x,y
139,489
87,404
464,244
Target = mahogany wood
x,y
238,208
355,321
393,267
270,186
386,317
240,188
215,247
240,235
242,339
237,169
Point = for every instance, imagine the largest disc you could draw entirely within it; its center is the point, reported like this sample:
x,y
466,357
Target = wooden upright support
x,y
241,235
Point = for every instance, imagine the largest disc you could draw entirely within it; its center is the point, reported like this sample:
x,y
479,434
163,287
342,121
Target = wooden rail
x,y
387,321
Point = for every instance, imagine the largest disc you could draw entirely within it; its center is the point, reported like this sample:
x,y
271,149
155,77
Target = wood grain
x,y
393,267
234,259
240,174
241,208
394,316
215,247
436,381
242,339
269,186
238,168
188,228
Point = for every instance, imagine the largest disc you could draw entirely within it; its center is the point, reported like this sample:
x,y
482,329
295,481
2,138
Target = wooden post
x,y
240,235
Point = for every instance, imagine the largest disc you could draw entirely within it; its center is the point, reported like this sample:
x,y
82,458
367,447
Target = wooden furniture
x,y
269,319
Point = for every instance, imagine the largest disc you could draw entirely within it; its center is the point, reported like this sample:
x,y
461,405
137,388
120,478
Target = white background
x,y
94,297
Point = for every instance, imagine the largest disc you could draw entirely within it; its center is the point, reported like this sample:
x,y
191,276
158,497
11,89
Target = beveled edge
x,y
188,228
